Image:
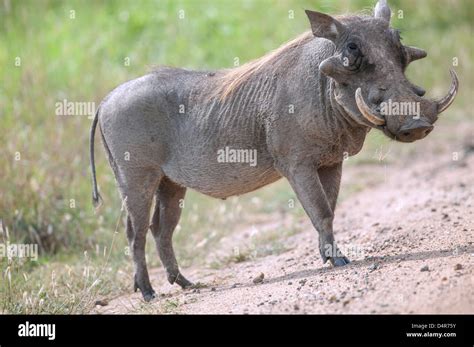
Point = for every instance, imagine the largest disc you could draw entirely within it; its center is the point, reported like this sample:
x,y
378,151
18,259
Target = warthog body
x,y
301,109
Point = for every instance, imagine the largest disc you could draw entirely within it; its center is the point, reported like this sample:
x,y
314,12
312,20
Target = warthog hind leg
x,y
169,199
138,192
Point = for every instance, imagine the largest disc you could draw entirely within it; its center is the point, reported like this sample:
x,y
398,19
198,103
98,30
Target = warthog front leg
x,y
330,178
317,191
165,218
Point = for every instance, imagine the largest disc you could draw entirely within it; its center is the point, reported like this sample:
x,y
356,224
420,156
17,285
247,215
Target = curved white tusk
x,y
366,111
445,102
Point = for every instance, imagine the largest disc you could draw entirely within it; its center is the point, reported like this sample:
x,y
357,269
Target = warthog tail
x,y
96,198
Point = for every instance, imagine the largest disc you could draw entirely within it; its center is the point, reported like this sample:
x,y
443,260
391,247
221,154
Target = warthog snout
x,y
416,130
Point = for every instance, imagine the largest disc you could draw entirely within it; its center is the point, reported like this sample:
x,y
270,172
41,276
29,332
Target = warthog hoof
x,y
184,283
148,294
339,261
329,251
180,280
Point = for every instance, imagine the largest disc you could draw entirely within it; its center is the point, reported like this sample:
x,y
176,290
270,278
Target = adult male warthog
x,y
300,108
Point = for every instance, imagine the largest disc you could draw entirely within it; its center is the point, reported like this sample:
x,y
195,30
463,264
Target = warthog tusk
x,y
366,111
445,102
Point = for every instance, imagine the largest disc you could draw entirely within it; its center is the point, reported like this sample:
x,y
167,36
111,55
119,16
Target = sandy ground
x,y
410,238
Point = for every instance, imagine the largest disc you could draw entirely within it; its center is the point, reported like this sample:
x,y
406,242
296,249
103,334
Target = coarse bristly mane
x,y
232,79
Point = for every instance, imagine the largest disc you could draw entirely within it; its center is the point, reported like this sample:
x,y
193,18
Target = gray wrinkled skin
x,y
301,118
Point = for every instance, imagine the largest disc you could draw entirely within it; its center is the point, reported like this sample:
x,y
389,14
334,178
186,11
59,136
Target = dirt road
x,y
410,238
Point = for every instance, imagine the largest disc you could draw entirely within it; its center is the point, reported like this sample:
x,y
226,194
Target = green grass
x,y
82,58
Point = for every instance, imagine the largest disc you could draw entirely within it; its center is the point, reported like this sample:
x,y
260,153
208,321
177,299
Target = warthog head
x,y
368,69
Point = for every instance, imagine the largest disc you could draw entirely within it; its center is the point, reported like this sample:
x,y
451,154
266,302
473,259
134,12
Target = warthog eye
x,y
352,56
352,46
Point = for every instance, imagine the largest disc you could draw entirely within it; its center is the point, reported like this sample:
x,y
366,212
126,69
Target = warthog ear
x,y
382,10
324,25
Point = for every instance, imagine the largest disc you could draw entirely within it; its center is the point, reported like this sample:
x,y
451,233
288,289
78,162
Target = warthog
x,y
299,109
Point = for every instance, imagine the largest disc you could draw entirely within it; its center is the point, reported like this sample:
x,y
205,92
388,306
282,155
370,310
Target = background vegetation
x,y
79,50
